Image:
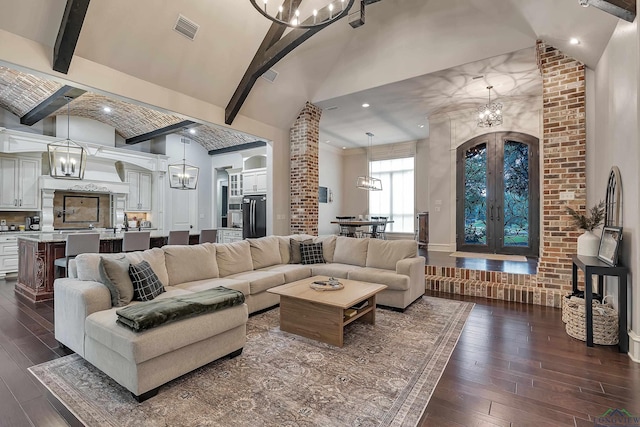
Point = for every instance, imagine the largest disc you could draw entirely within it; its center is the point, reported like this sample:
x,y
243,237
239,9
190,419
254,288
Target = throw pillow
x,y
295,250
311,253
146,285
114,274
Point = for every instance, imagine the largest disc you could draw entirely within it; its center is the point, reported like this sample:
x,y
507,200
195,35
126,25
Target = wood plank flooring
x,y
513,366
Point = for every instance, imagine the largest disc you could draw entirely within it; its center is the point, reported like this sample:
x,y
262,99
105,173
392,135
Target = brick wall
x,y
563,157
303,138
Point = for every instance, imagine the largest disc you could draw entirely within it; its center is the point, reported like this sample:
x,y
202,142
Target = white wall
x,y
613,139
86,130
353,201
330,172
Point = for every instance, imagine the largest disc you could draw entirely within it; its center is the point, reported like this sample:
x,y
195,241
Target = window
x,y
396,200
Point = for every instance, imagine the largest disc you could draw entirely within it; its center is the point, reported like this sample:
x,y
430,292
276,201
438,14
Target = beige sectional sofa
x,y
85,320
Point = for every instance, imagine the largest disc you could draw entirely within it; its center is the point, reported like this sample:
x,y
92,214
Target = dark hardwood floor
x,y
514,365
443,259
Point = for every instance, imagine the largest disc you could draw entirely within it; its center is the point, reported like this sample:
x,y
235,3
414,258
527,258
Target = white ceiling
x,y
406,60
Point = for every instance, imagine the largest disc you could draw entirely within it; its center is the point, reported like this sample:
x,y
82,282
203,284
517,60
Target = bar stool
x,y
208,236
179,237
78,243
136,241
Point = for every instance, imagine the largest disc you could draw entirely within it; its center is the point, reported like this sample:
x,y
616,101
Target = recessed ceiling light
x,y
365,105
192,131
327,141
420,126
574,40
344,148
106,109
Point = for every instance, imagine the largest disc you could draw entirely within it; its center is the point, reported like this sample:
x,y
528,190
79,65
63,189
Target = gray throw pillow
x,y
114,274
311,253
295,250
146,285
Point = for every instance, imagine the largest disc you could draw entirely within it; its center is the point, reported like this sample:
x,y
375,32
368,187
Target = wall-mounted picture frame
x,y
609,245
323,195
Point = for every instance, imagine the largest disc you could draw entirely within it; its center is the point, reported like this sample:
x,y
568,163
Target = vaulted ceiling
x,y
404,48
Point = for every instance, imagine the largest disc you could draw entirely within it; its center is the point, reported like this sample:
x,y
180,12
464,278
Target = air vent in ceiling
x,y
476,77
270,75
186,27
333,107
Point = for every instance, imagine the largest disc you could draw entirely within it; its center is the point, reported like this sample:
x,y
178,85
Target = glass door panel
x,y
475,195
515,194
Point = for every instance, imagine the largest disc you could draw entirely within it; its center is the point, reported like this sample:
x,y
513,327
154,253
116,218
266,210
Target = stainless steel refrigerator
x,y
254,216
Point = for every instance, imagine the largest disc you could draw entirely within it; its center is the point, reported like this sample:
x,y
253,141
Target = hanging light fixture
x,y
183,176
368,182
289,16
67,159
490,115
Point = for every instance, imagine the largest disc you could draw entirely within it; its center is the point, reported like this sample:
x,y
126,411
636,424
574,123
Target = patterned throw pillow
x,y
146,285
311,253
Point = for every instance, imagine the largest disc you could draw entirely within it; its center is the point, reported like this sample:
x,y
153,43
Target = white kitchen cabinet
x,y
139,198
236,183
19,183
8,254
255,181
226,235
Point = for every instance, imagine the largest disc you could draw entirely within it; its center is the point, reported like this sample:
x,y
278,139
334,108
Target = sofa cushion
x,y
292,272
203,285
186,263
114,274
260,281
140,347
328,246
146,285
265,251
350,250
333,269
285,249
234,258
155,258
296,257
88,266
311,253
394,281
386,253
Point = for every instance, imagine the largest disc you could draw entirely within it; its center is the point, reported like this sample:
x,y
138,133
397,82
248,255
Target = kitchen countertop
x,y
61,237
229,228
13,233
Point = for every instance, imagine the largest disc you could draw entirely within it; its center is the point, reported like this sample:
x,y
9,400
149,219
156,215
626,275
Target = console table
x,y
592,265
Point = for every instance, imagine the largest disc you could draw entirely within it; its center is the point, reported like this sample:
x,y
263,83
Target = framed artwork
x,y
609,244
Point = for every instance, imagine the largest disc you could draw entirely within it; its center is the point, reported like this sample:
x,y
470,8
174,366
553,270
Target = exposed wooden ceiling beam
x,y
50,105
623,9
239,147
161,132
72,20
272,49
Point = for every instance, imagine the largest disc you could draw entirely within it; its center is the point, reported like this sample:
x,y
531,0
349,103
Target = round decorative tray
x,y
325,286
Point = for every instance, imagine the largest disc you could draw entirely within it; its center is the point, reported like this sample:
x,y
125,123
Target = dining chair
x,y
380,232
346,230
179,237
208,236
136,241
76,244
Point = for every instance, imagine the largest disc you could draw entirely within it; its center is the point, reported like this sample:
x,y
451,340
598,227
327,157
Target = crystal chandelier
x,y
287,14
490,115
183,176
67,159
368,182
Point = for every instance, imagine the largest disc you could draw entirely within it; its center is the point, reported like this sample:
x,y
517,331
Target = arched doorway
x,y
497,194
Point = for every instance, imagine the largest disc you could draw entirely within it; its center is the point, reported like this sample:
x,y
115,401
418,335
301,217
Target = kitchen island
x,y
37,253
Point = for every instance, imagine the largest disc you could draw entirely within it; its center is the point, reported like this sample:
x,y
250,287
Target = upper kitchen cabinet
x,y
19,183
255,175
235,182
139,198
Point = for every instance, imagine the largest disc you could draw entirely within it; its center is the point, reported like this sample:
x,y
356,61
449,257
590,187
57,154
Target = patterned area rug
x,y
383,376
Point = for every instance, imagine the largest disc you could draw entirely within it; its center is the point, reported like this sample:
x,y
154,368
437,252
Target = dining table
x,y
352,224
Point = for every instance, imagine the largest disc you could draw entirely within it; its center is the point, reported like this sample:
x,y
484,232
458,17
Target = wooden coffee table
x,y
320,315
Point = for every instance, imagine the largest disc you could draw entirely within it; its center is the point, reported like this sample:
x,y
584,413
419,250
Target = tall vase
x,y
588,244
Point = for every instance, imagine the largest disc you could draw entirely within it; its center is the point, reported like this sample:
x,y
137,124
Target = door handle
x,y
20,202
15,202
498,212
491,215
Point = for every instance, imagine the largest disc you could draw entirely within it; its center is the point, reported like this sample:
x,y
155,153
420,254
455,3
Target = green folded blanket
x,y
149,314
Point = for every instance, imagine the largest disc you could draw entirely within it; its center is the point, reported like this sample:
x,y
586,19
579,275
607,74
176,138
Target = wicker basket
x,y
605,321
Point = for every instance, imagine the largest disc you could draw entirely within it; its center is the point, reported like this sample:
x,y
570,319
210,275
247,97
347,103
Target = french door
x,y
497,194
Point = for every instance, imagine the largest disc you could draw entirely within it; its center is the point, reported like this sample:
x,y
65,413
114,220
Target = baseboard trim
x,y
441,247
634,346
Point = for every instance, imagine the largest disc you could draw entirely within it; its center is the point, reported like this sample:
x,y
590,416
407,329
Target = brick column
x,y
563,155
303,138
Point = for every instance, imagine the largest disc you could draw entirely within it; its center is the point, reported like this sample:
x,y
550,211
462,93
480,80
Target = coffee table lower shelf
x,y
320,322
